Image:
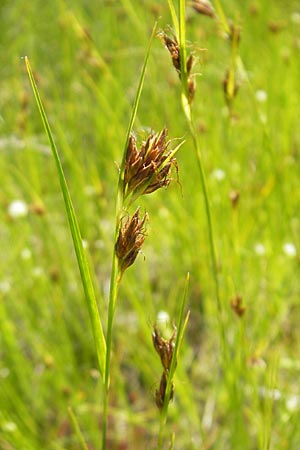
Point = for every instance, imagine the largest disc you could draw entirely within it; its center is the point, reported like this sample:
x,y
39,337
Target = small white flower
x,y
85,244
263,118
218,174
259,249
9,426
163,317
293,403
89,190
4,286
25,254
289,249
17,209
37,272
295,17
99,244
261,96
4,372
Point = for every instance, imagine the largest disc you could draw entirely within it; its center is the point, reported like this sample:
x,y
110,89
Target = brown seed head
x,y
173,48
130,239
164,347
234,197
147,169
204,7
161,392
237,306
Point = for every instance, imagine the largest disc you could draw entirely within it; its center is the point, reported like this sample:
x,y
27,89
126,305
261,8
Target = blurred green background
x,y
87,57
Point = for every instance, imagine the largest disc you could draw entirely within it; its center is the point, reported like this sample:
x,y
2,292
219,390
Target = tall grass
x,y
87,63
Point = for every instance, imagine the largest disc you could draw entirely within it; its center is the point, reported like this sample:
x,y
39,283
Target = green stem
x,y
189,116
77,429
113,293
115,278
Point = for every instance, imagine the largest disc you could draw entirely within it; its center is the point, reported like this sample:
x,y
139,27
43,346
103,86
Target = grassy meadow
x,y
238,368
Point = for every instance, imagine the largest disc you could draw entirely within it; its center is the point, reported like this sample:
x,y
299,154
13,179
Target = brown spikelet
x,y
161,392
165,349
204,7
148,168
130,239
174,50
237,306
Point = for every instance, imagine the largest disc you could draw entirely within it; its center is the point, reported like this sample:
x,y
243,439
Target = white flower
x,y
259,249
4,286
99,244
218,174
25,254
163,317
289,249
85,244
293,403
37,272
295,17
9,426
17,209
4,372
261,95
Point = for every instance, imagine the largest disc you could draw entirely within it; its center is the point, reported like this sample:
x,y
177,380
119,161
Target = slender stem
x,y
77,428
115,271
113,293
212,246
188,111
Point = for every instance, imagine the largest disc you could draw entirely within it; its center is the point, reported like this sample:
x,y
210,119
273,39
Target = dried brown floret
x,y
204,7
164,347
237,306
161,392
174,50
147,169
130,240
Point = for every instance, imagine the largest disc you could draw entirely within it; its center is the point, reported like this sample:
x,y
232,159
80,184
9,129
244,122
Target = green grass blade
x,y
174,16
135,108
100,343
77,428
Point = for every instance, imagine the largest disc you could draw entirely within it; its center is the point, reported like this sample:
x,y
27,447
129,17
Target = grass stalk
x,y
115,271
77,429
188,111
86,280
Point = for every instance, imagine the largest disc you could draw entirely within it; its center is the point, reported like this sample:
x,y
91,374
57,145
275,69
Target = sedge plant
x,y
168,351
183,65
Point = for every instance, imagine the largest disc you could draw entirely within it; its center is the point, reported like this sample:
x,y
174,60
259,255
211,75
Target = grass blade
x,y
77,428
99,339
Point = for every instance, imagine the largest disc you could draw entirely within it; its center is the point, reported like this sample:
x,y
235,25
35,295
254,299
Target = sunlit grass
x,y
87,62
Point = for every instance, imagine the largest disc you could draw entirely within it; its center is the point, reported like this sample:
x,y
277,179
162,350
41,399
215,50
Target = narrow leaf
x,y
76,235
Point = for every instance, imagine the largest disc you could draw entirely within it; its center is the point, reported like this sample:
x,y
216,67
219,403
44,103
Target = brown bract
x,y
237,306
164,347
203,7
160,393
147,169
174,50
130,239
